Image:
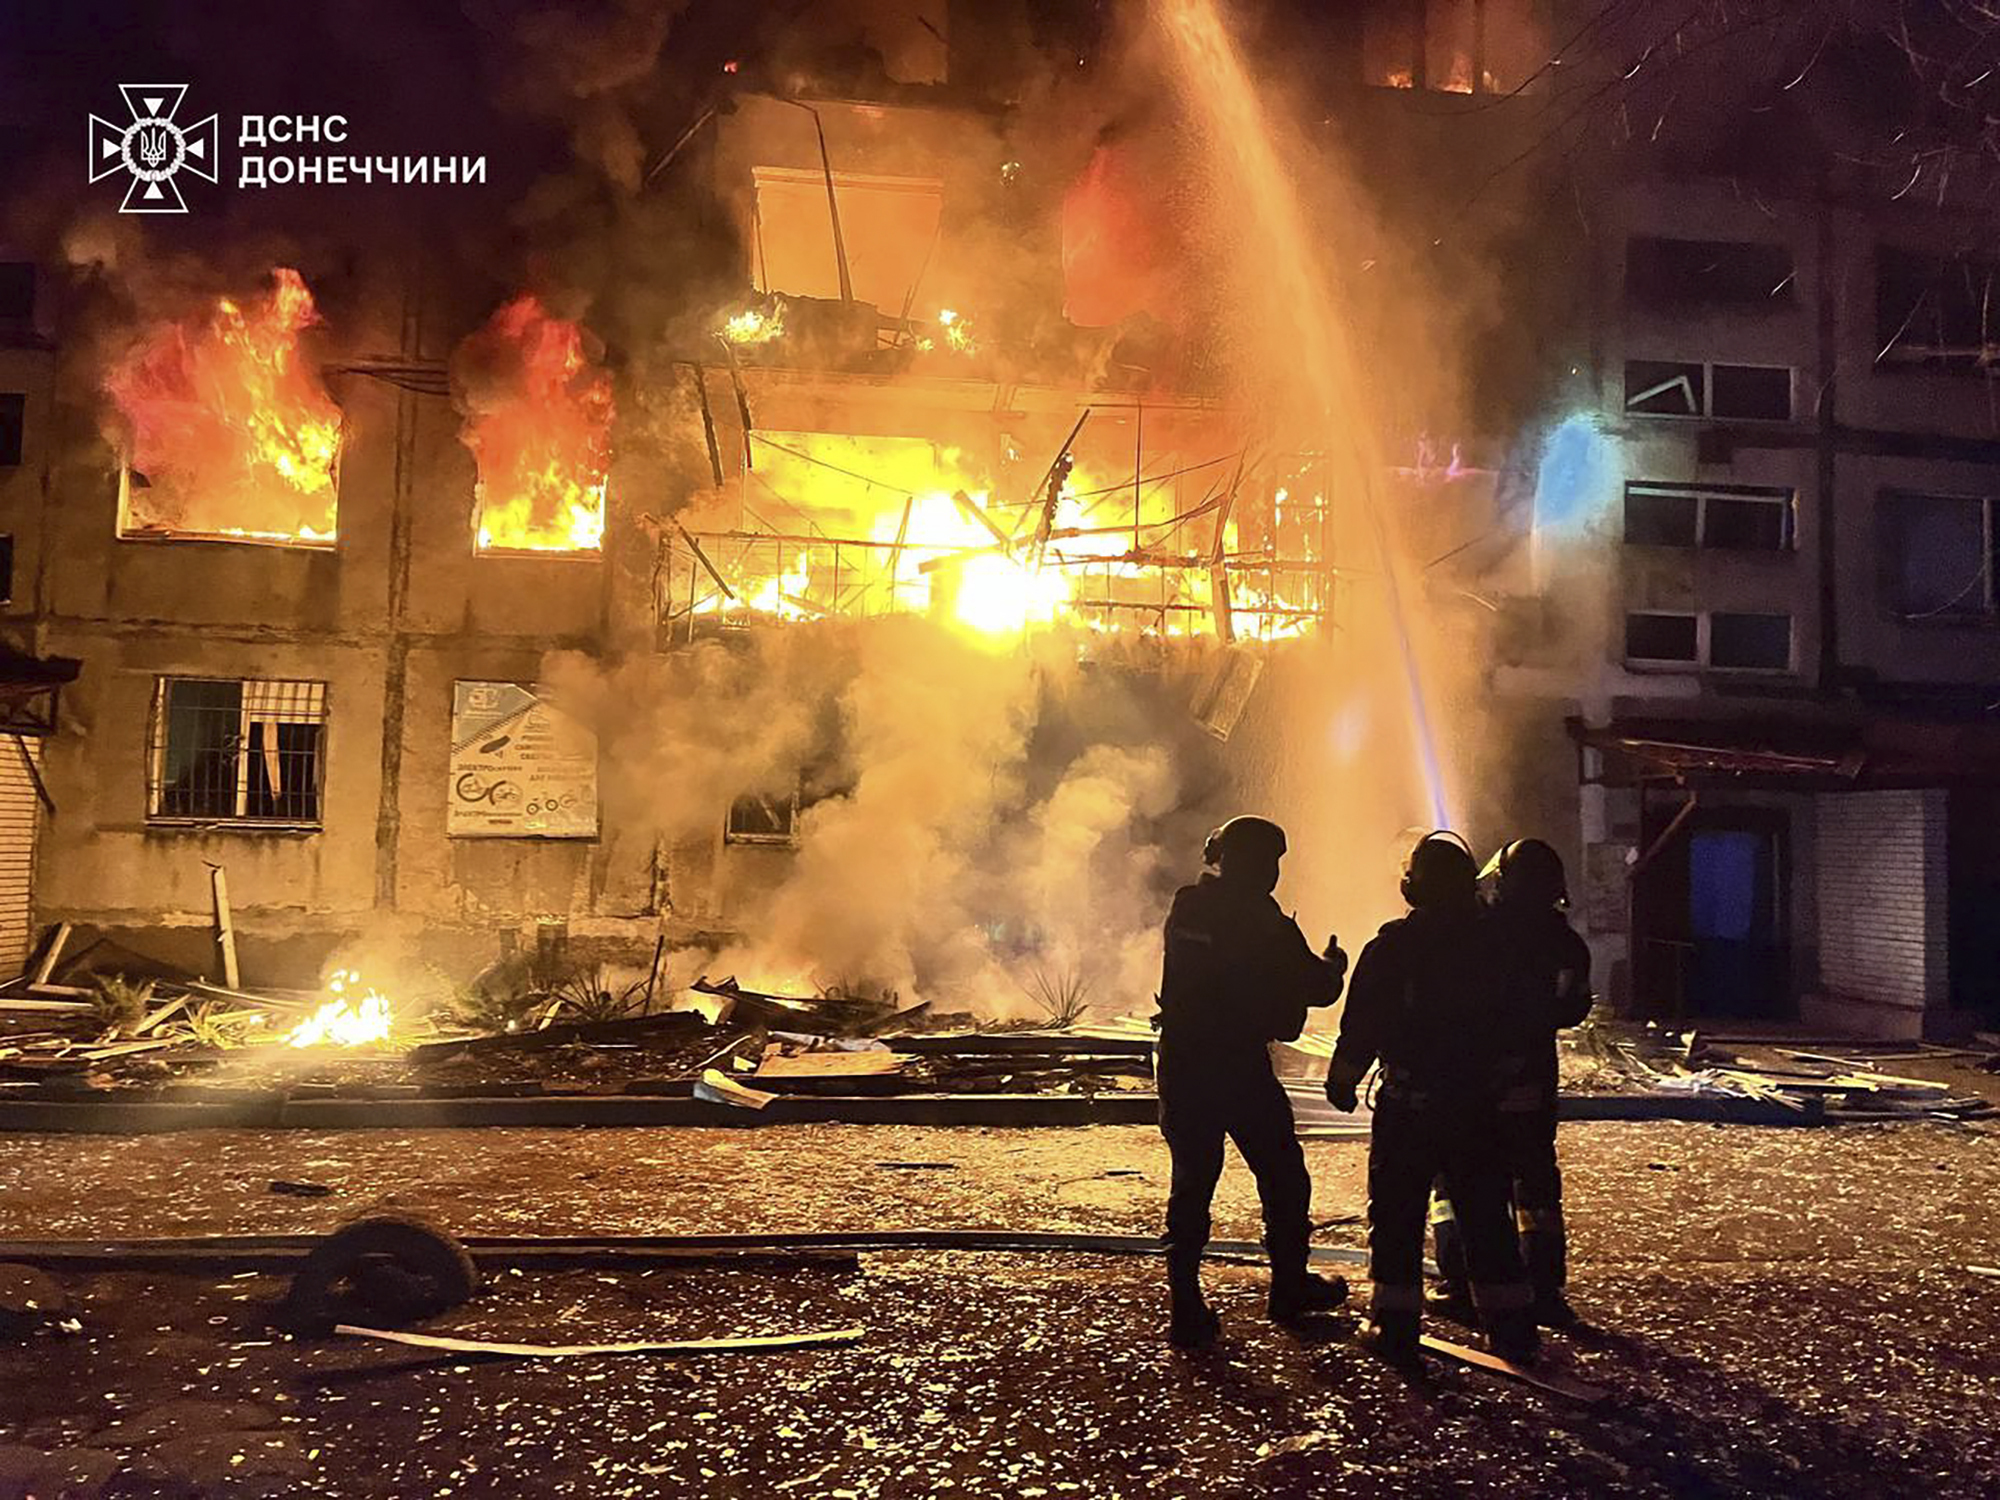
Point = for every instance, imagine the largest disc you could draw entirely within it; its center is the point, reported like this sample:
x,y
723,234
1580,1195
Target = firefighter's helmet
x,y
1440,871
1246,834
1528,871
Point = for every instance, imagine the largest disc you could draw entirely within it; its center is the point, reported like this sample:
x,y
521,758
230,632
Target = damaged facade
x,y
1713,531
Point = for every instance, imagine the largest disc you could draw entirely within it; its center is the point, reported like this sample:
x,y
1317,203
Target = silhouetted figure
x,y
1238,976
1425,1002
1547,987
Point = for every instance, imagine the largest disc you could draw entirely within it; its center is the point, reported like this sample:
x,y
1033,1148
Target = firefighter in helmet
x,y
1238,975
1424,1003
1547,988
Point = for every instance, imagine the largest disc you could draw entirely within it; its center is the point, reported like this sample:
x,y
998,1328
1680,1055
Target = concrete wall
x,y
1882,901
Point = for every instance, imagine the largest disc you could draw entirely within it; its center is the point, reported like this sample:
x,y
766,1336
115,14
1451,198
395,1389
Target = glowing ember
x,y
228,430
957,331
753,327
538,422
344,1021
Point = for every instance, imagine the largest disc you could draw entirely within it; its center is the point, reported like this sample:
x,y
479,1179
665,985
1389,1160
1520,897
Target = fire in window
x,y
887,229
1938,555
237,751
1455,46
226,430
538,411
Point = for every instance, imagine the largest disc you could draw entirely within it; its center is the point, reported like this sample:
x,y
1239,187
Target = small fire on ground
x,y
357,1015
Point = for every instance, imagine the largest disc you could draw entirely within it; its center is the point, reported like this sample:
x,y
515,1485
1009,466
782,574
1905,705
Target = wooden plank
x,y
755,1344
1008,1043
225,926
1552,1381
54,951
830,1065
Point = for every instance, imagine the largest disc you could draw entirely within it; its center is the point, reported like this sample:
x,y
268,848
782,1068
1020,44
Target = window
x,y
17,291
1732,518
887,226
13,427
1722,639
1670,388
1672,275
1455,46
232,751
1938,555
1750,642
1661,637
759,819
6,569
1935,311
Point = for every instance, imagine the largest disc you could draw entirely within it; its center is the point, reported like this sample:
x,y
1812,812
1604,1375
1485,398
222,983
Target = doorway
x,y
1709,914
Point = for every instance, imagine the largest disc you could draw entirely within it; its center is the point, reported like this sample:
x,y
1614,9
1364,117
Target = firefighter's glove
x,y
1342,1083
1336,956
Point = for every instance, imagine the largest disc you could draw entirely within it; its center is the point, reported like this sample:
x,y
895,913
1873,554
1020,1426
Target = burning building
x,y
874,549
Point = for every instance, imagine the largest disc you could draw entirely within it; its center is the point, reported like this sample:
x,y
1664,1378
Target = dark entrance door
x,y
1709,916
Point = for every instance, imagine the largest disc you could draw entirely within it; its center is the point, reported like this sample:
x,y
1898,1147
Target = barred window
x,y
235,751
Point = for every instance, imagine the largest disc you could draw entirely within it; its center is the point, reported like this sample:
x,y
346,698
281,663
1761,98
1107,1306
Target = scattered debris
x,y
1553,1381
753,1344
391,1265
300,1189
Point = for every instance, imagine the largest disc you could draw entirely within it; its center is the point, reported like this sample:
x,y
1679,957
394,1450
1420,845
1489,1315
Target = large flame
x,y
844,524
228,431
357,1015
538,423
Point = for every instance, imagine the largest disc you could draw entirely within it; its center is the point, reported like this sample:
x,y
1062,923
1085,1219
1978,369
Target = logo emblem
x,y
152,148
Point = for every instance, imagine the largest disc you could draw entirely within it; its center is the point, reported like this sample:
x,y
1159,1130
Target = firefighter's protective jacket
x,y
1548,985
1426,1001
1238,975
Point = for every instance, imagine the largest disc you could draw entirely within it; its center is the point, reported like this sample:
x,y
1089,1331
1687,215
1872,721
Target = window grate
x,y
226,750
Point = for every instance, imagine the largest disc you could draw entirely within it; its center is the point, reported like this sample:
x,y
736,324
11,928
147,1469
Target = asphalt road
x,y
1777,1312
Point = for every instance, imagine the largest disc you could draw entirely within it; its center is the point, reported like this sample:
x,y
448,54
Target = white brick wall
x,y
1882,897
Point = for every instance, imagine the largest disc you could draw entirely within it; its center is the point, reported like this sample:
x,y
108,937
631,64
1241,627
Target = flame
x,y
234,434
343,1021
867,525
754,327
957,331
539,426
1459,79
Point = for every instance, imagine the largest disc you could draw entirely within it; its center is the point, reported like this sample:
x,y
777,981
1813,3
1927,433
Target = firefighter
x,y
1238,975
1425,1004
1547,968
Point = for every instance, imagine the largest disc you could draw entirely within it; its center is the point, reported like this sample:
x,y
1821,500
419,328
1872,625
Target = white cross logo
x,y
152,148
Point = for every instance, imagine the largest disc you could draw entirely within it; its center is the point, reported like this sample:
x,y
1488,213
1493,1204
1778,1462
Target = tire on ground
x,y
390,1267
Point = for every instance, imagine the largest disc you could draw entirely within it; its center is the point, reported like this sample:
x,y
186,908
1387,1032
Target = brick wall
x,y
1882,898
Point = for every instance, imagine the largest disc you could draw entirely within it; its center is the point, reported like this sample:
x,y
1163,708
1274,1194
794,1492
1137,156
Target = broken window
x,y
1935,310
763,819
1938,555
234,751
1755,642
1672,275
1455,46
13,427
1735,518
1651,636
887,229
1687,388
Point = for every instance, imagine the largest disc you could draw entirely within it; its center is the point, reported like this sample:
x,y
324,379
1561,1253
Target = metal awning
x,y
30,687
1798,756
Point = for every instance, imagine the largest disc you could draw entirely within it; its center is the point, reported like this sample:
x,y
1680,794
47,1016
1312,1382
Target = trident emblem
x,y
152,148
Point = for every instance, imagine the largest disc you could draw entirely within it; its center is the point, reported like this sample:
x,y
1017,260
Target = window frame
x,y
1705,402
788,838
1418,20
1778,297
1703,644
1785,499
159,730
1940,616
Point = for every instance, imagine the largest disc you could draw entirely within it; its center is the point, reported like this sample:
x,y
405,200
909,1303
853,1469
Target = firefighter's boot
x,y
1192,1322
1298,1293
1393,1338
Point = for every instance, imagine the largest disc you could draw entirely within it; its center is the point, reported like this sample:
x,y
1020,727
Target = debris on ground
x,y
769,1343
